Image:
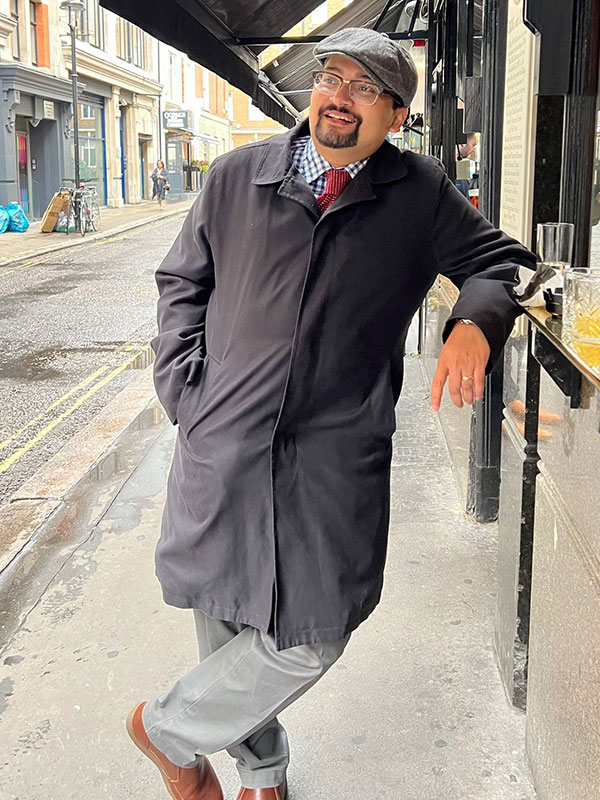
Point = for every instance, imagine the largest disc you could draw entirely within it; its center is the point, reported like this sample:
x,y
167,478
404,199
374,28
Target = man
x,y
284,306
466,152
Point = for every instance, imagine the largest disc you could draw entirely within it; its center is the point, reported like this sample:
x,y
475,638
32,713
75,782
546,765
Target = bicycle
x,y
82,208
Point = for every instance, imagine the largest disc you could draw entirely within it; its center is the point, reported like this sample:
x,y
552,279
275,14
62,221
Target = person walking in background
x,y
160,182
284,306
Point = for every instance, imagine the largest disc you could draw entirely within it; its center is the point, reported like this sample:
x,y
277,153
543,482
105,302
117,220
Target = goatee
x,y
337,140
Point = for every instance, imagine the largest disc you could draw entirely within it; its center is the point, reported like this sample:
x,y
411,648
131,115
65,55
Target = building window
x,y
33,32
172,72
90,26
131,43
15,39
254,113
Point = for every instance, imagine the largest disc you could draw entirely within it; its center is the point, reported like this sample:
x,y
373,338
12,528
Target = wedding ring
x,y
467,377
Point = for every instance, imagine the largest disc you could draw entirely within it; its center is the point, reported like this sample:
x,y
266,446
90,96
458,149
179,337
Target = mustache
x,y
340,110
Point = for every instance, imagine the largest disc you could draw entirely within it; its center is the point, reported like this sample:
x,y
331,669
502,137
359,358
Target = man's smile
x,y
336,118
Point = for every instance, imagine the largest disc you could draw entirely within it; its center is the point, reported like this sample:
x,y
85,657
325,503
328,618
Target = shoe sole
x,y
149,754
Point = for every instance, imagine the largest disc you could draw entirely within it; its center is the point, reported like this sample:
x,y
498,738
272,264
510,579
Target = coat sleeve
x,y
483,262
185,281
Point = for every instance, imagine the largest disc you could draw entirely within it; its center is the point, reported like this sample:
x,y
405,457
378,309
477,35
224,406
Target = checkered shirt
x,y
313,166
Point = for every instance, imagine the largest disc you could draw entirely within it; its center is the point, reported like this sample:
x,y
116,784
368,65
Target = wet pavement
x,y
415,708
74,330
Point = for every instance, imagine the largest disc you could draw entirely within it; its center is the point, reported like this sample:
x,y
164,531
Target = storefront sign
x,y
518,149
49,109
175,119
520,111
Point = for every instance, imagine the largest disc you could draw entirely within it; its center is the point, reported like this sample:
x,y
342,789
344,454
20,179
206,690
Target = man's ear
x,y
400,115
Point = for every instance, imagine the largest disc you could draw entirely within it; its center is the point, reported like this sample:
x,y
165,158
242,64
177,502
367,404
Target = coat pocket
x,y
195,392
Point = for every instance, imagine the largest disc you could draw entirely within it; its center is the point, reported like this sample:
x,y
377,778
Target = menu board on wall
x,y
520,111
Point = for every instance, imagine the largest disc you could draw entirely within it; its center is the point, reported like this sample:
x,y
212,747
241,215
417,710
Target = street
x,y
74,328
415,709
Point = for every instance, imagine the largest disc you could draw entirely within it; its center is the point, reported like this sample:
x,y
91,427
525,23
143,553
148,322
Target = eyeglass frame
x,y
380,91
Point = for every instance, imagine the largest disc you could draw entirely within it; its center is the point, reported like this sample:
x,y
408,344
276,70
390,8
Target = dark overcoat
x,y
279,355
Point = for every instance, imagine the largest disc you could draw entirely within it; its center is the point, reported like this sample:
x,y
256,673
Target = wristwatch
x,y
466,321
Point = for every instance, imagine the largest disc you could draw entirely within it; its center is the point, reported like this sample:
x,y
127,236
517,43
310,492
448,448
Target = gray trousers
x,y
230,701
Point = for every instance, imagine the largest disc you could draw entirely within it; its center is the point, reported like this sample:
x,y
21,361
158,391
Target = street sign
x,y
175,119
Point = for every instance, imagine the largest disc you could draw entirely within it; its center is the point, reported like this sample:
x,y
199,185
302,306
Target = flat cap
x,y
390,66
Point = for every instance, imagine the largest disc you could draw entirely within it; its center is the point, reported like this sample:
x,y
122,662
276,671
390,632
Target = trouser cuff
x,y
261,778
174,754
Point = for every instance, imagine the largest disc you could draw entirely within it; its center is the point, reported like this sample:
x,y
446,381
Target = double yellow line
x,y
105,374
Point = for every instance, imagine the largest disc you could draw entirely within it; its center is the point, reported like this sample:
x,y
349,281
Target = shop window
x,y
595,237
33,32
15,38
92,145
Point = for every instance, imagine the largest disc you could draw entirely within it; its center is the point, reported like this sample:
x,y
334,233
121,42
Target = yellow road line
x,y
7,463
53,405
109,239
23,266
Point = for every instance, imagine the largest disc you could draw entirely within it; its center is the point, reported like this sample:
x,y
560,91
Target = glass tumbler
x,y
555,243
581,313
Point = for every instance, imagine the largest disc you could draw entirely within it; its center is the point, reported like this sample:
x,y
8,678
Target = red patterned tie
x,y
337,180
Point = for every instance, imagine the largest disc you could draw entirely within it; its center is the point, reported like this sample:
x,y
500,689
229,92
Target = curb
x,y
93,237
30,507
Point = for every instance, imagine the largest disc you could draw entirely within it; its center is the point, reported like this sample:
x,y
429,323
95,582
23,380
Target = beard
x,y
334,139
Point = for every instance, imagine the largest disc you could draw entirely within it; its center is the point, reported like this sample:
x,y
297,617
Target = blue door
x,y
143,171
123,156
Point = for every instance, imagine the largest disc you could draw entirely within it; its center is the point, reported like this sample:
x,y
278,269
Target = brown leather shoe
x,y
276,793
195,783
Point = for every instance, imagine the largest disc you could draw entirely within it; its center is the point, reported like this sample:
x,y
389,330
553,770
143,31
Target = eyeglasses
x,y
364,93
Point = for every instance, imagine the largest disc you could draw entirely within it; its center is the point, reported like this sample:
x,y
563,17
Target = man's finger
x,y
467,386
437,386
454,387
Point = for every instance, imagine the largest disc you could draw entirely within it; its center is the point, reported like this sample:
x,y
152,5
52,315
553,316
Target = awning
x,y
208,31
226,36
185,134
293,69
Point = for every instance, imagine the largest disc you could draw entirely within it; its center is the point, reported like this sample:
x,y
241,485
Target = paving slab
x,y
414,709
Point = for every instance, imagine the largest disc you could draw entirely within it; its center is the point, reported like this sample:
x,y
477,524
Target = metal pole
x,y
75,93
449,89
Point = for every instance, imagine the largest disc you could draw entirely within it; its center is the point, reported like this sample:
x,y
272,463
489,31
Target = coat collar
x,y
384,166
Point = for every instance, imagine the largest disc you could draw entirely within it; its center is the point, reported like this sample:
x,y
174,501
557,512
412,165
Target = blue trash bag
x,y
4,219
18,221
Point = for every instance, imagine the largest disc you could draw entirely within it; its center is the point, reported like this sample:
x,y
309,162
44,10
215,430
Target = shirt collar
x,y
311,164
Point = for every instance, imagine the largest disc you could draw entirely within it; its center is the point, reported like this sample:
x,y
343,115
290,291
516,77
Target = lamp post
x,y
75,8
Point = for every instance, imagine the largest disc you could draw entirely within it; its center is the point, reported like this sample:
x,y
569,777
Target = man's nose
x,y
344,90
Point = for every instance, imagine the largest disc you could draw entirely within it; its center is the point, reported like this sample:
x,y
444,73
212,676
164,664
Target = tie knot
x,y
336,182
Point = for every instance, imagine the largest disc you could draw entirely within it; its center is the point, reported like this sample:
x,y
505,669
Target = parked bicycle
x,y
82,208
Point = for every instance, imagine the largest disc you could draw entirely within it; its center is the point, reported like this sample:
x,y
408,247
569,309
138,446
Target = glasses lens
x,y
364,93
326,83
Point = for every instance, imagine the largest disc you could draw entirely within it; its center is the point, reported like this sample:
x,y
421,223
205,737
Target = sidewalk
x,y
414,710
32,243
